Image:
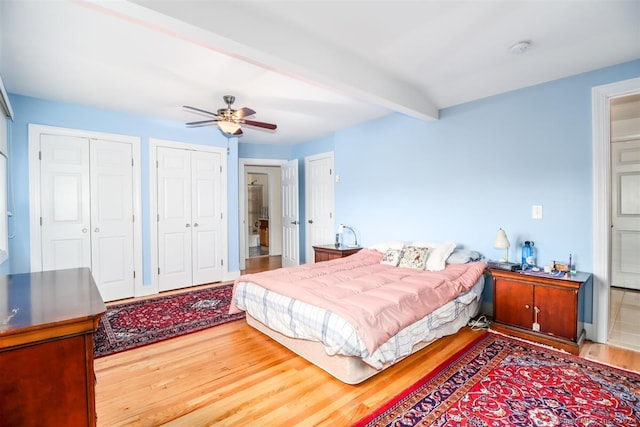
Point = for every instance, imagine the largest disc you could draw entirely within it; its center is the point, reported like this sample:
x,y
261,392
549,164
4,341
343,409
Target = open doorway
x,y
260,209
625,221
258,214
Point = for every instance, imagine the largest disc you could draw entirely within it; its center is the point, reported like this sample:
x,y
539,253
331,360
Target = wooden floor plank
x,y
232,374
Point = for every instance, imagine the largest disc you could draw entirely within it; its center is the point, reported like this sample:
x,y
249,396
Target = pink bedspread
x,y
378,300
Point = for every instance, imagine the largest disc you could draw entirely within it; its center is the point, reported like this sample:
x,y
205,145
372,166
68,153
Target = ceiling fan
x,y
229,120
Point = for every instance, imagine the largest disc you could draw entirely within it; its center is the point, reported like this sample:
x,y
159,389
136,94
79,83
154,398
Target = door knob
x,y
294,222
310,221
97,230
195,225
84,230
187,225
527,306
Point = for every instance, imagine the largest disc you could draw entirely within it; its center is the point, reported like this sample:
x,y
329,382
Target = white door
x,y
87,210
319,196
174,218
290,215
64,201
189,218
625,214
112,222
206,217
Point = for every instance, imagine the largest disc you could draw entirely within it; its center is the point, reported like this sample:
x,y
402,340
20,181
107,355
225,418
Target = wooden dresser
x,y
47,321
538,308
328,252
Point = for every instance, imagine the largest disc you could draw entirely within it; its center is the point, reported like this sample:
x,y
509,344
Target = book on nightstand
x,y
509,266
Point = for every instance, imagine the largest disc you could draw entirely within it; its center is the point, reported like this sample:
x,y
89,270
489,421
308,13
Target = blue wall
x,y
480,167
32,110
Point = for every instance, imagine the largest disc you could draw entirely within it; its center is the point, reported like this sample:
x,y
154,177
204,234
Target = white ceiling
x,y
310,66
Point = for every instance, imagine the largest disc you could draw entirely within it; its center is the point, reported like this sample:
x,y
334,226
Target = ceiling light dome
x,y
520,47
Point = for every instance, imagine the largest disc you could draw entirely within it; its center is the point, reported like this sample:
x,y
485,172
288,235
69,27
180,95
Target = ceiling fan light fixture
x,y
228,127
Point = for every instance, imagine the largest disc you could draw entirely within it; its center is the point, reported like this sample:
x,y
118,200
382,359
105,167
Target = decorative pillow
x,y
392,257
438,254
414,257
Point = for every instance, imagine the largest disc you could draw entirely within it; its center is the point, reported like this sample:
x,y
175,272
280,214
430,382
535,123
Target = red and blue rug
x,y
499,381
133,324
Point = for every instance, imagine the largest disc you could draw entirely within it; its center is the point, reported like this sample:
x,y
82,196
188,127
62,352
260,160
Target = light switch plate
x,y
536,211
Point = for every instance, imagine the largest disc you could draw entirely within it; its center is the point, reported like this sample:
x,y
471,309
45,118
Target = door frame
x,y
35,232
242,200
601,122
154,143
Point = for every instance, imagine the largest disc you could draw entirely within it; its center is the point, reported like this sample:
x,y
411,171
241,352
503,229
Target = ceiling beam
x,y
233,29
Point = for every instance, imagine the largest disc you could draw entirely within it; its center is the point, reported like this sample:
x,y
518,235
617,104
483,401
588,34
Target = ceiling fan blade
x,y
259,124
202,123
244,112
200,111
238,132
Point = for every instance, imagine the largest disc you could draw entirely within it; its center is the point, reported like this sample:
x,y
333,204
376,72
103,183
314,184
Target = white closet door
x,y
112,218
64,200
206,217
174,218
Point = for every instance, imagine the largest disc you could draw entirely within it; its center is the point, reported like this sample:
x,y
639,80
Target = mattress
x,y
353,369
329,341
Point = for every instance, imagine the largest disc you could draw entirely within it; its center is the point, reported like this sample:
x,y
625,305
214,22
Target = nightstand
x,y
539,307
328,252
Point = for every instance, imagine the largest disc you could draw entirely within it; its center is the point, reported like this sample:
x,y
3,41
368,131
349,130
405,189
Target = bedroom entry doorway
x,y
604,134
625,192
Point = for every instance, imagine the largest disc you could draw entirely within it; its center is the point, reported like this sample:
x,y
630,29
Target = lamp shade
x,y
228,127
501,242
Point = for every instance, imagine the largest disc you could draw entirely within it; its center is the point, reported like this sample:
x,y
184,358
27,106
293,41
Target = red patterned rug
x,y
499,381
134,324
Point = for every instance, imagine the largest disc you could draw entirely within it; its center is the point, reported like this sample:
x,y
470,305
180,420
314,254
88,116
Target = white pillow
x,y
436,260
384,247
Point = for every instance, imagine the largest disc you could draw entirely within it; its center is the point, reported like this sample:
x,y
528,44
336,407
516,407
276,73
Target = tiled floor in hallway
x,y
624,319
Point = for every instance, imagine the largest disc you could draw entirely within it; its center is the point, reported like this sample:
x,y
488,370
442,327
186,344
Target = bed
x,y
354,317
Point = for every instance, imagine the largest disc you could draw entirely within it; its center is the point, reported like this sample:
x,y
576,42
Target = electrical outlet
x,y
536,211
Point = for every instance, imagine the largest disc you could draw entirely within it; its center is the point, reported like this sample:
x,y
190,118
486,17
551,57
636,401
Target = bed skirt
x,y
351,369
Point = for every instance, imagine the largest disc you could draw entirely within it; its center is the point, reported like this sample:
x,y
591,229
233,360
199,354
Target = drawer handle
x,y
527,306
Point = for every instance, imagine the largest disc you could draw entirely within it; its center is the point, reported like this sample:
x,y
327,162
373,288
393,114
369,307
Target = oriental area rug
x,y
133,324
500,381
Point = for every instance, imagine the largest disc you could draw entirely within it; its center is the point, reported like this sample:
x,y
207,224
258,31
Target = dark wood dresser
x,y
47,320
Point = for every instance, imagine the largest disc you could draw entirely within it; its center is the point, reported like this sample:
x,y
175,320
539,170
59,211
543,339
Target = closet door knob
x,y
187,225
310,221
195,225
84,230
527,306
97,230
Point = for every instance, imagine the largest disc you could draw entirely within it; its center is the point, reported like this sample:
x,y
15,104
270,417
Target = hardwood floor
x,y
234,375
